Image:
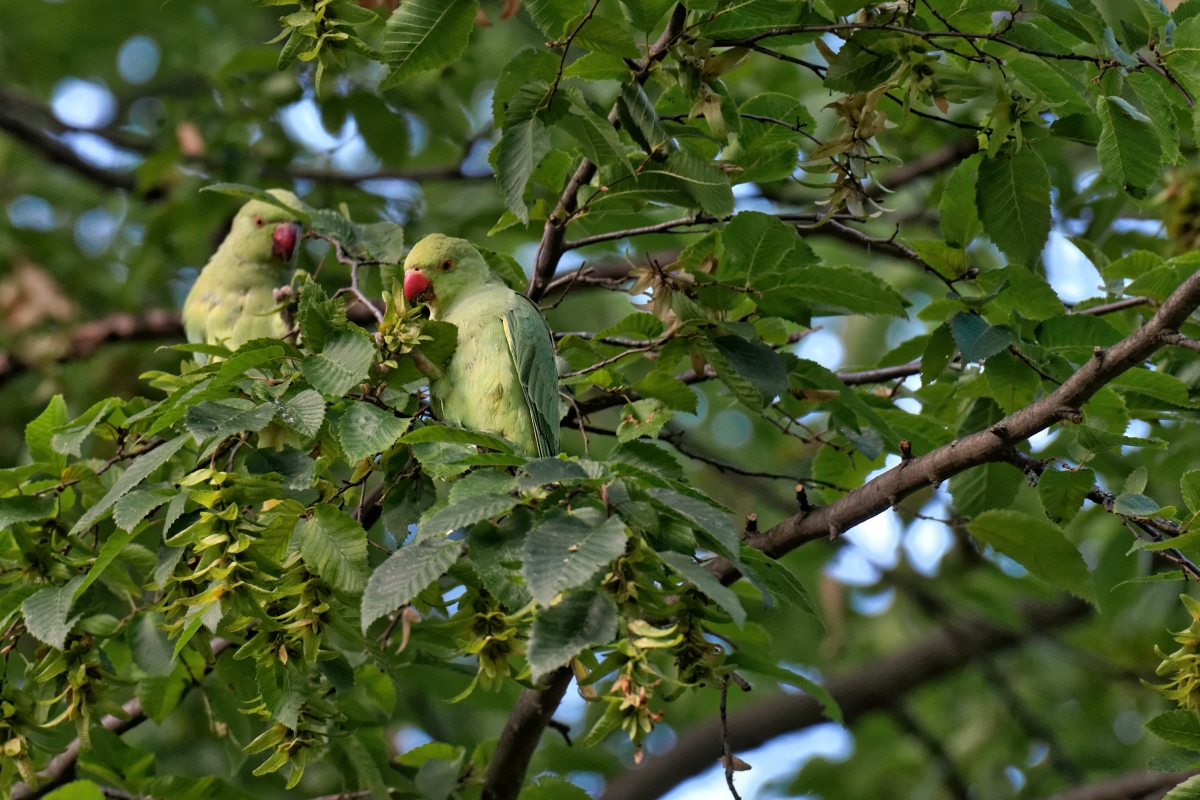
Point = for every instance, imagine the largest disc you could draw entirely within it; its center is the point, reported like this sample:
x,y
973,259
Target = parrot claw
x,y
283,293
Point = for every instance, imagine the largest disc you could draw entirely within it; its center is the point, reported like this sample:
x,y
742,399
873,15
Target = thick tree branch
x,y
56,151
61,769
32,123
992,444
1137,786
522,732
874,687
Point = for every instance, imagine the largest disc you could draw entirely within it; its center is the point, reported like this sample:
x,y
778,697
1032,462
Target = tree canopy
x,y
879,369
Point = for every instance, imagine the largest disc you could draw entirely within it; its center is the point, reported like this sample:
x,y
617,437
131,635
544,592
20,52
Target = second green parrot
x,y
502,377
233,300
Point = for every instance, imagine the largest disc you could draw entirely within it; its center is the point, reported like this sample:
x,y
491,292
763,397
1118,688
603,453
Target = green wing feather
x,y
531,348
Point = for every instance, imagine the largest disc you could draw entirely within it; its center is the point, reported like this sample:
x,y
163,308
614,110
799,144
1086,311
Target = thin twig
x,y
726,754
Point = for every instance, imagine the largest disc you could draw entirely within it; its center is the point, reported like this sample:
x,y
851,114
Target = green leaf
x,y
602,34
304,413
750,662
552,787
1075,336
133,507
553,16
523,143
301,213
564,552
1135,505
46,611
364,430
950,261
1012,381
667,389
704,181
116,542
1092,438
645,14
706,583
79,790
976,339
781,582
137,472
581,619
449,433
713,521
596,67
425,34
1013,198
755,361
596,136
1189,484
26,508
69,439
217,419
1180,728
1063,491
1152,89
343,363
405,573
640,120
937,353
1039,546
1154,384
319,316
334,546
986,486
39,435
526,66
467,512
1188,790
766,256
861,65
507,267
1129,148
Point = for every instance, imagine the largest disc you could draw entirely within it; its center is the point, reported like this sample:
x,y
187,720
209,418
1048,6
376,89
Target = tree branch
x,y
58,152
873,687
506,771
1136,786
61,769
33,123
988,445
550,249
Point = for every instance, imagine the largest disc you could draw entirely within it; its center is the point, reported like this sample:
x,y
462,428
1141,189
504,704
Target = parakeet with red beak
x,y
233,300
502,377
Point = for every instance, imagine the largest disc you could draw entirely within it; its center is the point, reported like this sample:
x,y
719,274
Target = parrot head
x,y
264,233
439,269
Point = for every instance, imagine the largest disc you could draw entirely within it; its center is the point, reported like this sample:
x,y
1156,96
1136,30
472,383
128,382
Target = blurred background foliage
x,y
117,114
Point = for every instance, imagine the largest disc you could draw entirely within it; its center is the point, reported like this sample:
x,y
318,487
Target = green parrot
x,y
233,300
503,377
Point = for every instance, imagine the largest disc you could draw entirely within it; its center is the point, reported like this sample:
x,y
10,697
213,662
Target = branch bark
x,y
988,445
522,732
874,687
1136,786
32,123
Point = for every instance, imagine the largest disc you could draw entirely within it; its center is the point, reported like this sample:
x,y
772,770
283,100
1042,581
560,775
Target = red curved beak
x,y
284,240
415,285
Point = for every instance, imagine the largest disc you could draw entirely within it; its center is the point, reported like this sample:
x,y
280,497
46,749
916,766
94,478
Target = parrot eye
x,y
259,221
446,265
